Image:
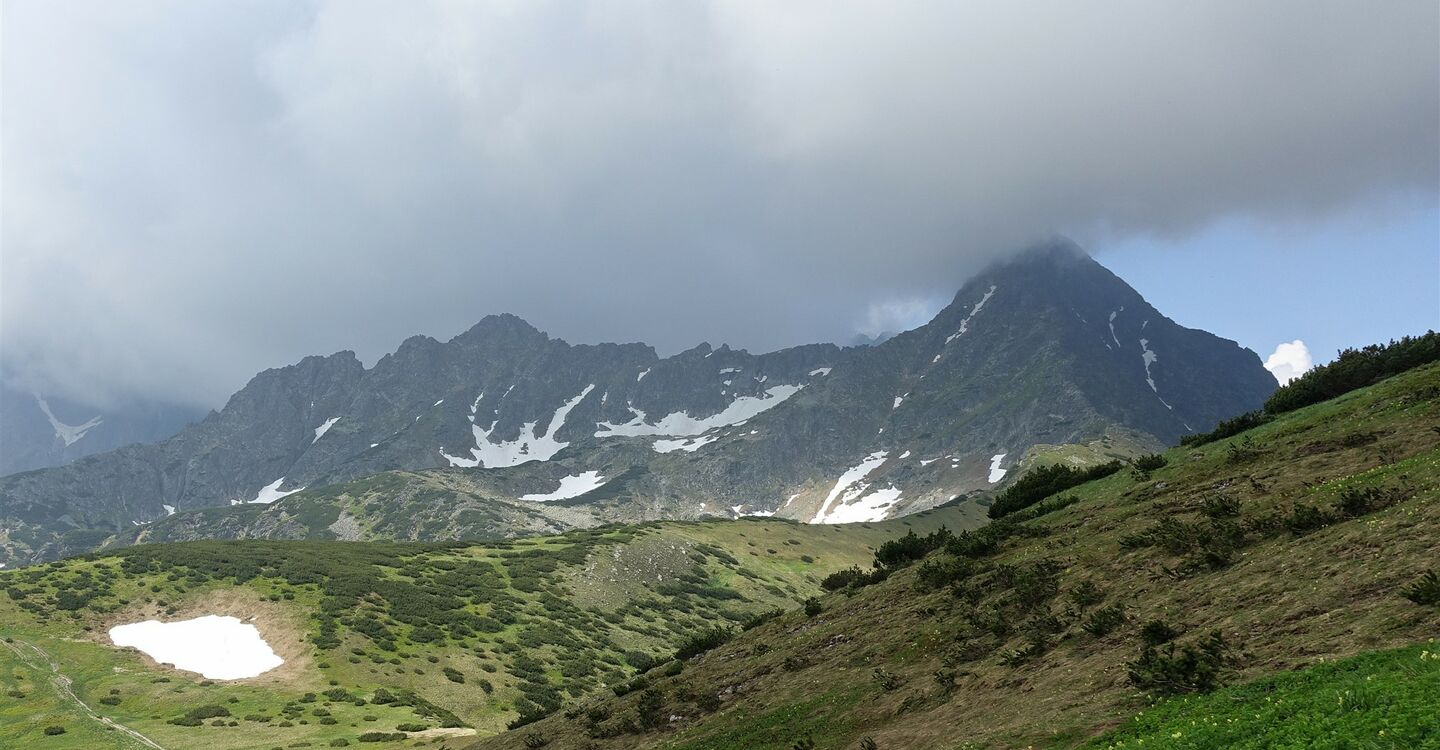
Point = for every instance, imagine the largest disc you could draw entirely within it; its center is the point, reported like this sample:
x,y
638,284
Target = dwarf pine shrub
x,y
1173,669
1426,591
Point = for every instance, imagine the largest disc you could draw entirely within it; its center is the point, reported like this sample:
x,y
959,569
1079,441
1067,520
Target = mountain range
x,y
1046,357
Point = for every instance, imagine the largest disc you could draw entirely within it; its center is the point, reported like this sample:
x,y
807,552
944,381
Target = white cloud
x,y
897,315
1290,360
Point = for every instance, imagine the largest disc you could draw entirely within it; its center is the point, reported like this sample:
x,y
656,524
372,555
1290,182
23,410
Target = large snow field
x,y
218,648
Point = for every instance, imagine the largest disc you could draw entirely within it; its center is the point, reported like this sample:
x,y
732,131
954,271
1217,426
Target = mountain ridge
x,y
1049,348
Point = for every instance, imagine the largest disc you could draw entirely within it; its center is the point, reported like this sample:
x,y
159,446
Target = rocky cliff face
x,y
1050,348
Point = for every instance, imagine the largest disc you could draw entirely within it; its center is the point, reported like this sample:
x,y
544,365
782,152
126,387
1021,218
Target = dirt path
x,y
31,654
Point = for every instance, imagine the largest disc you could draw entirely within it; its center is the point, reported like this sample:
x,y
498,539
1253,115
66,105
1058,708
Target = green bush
x,y
1105,620
1157,632
756,621
640,660
1173,669
51,731
1426,591
842,578
909,548
703,641
1038,484
196,716
382,736
1227,428
1149,462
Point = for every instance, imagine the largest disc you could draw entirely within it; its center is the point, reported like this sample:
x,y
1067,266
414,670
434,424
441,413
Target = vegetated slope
x,y
1048,349
420,639
1288,546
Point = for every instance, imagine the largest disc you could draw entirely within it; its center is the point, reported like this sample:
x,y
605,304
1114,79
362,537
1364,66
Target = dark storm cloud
x,y
195,191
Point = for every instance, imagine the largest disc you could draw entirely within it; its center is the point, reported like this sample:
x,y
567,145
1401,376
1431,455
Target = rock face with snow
x,y
1050,348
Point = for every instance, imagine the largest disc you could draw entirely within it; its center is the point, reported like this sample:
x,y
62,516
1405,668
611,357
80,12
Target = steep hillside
x,y
1288,546
454,638
1049,349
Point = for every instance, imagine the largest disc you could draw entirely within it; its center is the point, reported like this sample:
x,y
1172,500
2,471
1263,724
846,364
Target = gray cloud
x,y
194,191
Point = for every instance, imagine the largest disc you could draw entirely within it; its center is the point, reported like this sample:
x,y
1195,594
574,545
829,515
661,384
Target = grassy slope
x,y
1284,601
623,589
1379,699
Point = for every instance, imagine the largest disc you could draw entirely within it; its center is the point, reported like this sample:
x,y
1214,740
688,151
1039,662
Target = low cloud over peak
x,y
194,192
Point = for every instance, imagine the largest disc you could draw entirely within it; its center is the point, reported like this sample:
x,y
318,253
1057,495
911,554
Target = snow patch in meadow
x,y
997,473
218,648
527,447
574,485
681,423
324,428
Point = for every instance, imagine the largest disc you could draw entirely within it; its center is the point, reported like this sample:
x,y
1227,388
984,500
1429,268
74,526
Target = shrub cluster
x,y
703,641
853,577
1351,370
1038,484
1173,669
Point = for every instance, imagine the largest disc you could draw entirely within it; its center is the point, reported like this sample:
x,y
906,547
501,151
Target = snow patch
x,y
169,510
642,374
849,486
821,371
527,447
682,424
571,486
1148,357
270,493
997,473
1113,313
898,400
71,434
324,428
965,322
218,648
729,370
689,445
874,506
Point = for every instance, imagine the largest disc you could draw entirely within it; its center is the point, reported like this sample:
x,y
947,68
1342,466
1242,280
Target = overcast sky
x,y
194,191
